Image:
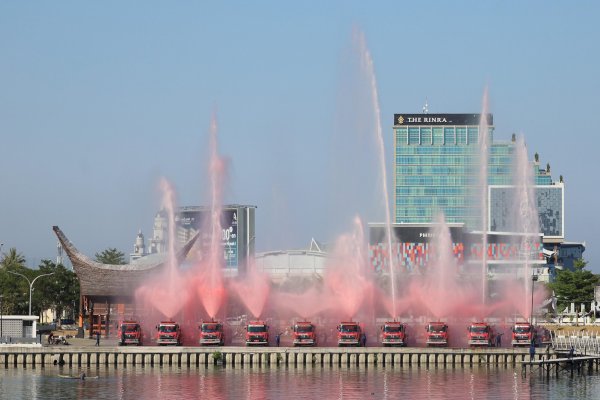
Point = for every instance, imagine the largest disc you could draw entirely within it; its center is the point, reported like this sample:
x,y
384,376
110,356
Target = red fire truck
x,y
349,334
168,333
211,333
523,333
437,334
257,334
393,334
130,332
304,334
480,334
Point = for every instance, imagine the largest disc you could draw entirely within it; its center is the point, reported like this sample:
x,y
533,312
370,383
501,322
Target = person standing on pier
x,y
571,352
499,339
532,351
98,338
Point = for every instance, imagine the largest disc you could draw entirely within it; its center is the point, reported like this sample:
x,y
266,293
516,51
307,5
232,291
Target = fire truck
x,y
437,334
257,334
168,333
304,334
523,333
480,334
211,333
393,334
130,332
349,334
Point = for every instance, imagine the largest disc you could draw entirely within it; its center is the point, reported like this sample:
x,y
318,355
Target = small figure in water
x,y
82,376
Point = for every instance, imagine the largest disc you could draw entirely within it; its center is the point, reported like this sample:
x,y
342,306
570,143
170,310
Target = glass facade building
x,y
436,169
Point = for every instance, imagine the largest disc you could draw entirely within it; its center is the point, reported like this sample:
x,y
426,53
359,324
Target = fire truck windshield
x,y
437,328
210,327
522,329
129,327
348,328
257,328
392,328
479,329
167,328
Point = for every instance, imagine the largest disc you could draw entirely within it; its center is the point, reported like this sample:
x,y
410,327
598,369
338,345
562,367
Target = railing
x,y
583,343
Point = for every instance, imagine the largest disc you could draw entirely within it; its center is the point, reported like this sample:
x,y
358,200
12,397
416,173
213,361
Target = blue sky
x,y
98,100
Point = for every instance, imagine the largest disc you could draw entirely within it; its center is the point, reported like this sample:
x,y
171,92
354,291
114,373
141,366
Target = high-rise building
x,y
436,169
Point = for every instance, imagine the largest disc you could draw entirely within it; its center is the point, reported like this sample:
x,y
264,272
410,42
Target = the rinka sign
x,y
440,119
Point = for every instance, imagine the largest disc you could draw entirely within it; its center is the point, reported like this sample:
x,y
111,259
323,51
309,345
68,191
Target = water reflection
x,y
293,383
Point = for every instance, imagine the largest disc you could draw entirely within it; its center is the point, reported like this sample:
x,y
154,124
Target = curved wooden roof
x,y
109,280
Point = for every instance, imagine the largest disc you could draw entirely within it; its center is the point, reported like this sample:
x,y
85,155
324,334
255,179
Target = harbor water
x,y
308,382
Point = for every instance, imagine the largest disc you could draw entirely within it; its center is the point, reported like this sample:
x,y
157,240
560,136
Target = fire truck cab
x,y
168,333
393,334
437,334
257,334
130,332
480,334
523,333
211,333
349,334
304,334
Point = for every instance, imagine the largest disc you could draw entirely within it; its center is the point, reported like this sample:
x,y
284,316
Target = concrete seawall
x,y
26,357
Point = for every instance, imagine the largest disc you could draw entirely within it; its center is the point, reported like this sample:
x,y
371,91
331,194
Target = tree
x,y
13,259
14,288
61,291
575,286
111,256
15,292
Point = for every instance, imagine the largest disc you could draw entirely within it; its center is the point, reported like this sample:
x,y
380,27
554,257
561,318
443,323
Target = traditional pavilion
x,y
106,287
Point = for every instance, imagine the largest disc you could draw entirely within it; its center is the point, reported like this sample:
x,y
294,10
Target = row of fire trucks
x,y
304,333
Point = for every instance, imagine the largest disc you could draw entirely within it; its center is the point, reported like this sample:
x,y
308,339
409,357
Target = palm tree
x,y
12,259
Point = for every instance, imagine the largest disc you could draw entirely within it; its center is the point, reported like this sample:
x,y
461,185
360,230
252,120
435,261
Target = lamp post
x,y
30,283
533,279
1,335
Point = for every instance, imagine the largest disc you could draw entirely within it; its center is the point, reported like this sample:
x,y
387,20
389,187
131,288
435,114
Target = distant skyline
x,y
98,101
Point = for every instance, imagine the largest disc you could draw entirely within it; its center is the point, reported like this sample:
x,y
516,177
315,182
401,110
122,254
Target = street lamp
x,y
1,297
30,283
534,278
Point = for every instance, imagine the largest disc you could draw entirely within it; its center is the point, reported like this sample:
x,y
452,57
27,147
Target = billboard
x,y
190,220
229,237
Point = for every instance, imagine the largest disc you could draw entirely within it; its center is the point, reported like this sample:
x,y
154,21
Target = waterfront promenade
x,y
82,352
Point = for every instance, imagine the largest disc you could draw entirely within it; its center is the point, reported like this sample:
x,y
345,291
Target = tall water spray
x,y
525,216
347,278
367,64
168,291
483,183
210,288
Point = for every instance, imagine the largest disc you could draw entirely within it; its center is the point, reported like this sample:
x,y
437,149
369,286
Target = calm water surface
x,y
293,383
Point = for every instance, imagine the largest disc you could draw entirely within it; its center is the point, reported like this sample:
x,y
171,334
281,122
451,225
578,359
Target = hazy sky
x,y
98,100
